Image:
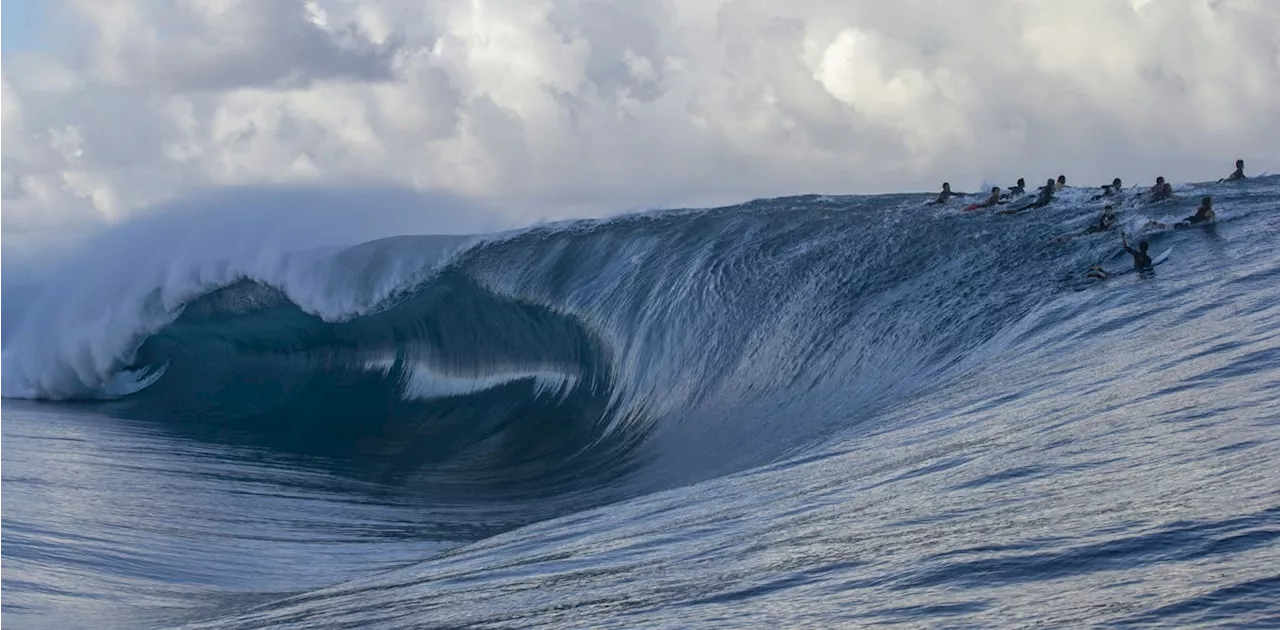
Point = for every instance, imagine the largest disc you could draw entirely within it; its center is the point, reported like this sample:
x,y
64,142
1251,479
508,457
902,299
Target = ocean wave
x,y
833,407
700,342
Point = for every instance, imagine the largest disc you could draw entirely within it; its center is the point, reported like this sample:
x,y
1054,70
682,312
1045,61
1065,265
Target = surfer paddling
x,y
1204,214
945,195
1046,195
992,200
1110,190
1017,190
1105,222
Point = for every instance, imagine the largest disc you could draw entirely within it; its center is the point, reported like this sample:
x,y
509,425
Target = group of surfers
x,y
1161,191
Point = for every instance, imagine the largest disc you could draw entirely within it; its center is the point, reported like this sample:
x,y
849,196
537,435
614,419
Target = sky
x,y
551,109
23,25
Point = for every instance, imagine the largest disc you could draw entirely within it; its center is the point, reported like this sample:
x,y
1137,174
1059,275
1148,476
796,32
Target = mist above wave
x,y
96,305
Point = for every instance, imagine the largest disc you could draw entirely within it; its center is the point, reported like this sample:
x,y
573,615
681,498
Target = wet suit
x,y
1237,175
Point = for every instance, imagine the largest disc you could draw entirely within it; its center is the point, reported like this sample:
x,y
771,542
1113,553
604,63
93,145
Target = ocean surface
x,y
813,411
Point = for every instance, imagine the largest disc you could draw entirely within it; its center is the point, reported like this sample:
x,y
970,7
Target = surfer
x,y
1161,191
1046,195
945,195
1016,190
1204,214
1061,183
1141,261
1236,175
1110,190
1105,222
992,199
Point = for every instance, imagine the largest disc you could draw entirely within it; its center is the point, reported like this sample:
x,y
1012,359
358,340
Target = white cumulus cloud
x,y
591,106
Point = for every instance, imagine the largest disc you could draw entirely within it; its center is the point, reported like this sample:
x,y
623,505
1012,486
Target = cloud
x,y
224,45
578,107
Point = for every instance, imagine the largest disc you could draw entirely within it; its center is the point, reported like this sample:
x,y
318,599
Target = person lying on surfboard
x,y
1105,222
1017,190
1110,190
945,195
1204,214
993,199
1141,260
1046,195
1236,175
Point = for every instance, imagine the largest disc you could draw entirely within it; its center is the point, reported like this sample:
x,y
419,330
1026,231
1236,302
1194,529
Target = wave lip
x,y
82,332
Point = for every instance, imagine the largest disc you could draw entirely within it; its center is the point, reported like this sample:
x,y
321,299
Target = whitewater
x,y
811,411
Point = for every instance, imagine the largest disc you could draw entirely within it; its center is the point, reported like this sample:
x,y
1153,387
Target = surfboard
x,y
1161,258
1120,272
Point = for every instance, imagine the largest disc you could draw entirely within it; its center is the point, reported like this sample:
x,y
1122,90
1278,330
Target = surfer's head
x,y
1160,180
1142,245
1239,163
1115,183
1022,182
946,185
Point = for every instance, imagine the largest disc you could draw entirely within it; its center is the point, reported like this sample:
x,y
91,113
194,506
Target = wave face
x,y
568,366
557,357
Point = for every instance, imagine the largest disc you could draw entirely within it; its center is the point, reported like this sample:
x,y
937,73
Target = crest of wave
x,y
97,305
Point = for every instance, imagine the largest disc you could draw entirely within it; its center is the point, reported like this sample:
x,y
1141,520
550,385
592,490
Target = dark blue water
x,y
798,412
